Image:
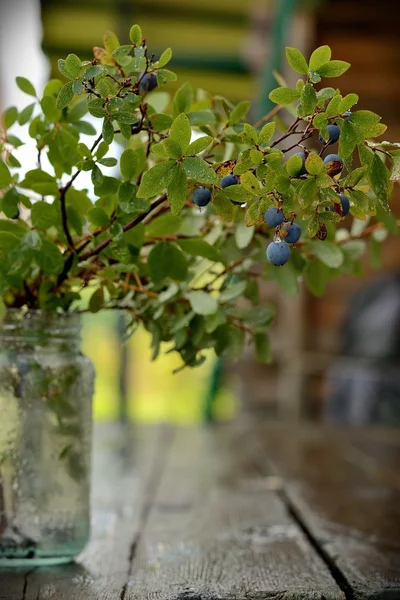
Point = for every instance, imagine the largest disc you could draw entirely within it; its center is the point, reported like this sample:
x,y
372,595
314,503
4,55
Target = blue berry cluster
x,y
278,251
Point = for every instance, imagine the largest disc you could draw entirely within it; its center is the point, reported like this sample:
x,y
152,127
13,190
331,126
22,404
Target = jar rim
x,y
53,323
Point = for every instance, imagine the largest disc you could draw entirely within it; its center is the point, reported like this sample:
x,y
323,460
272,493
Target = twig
x,y
227,269
126,227
140,290
366,232
267,117
290,131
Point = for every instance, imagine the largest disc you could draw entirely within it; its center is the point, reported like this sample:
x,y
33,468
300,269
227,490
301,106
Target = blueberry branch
x,y
95,251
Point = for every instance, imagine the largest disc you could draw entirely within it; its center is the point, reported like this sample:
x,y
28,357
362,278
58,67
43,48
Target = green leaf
x,y
97,176
26,114
243,235
334,68
8,241
379,178
95,107
254,214
328,253
98,217
156,179
41,182
108,162
164,75
181,132
50,110
199,145
32,240
297,61
96,301
43,215
49,258
127,164
202,303
249,135
165,58
107,130
9,203
238,194
284,95
314,76
293,165
111,42
202,117
183,99
223,206
347,102
349,138
308,99
229,342
73,65
198,170
395,174
239,112
355,177
10,115
26,86
166,260
367,122
250,183
172,148
232,292
320,57
263,346
314,164
177,190
266,132
163,225
199,247
92,72
5,175
161,122
65,95
135,35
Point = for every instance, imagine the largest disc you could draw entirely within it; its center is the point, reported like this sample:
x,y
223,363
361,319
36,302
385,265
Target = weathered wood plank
x,y
350,507
127,464
217,529
12,584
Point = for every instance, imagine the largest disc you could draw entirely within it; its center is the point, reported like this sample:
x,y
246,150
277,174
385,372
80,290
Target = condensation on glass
x,y
46,388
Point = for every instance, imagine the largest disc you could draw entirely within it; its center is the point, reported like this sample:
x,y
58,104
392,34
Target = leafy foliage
x,y
137,240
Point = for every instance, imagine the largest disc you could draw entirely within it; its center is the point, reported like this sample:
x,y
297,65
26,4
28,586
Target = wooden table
x,y
246,511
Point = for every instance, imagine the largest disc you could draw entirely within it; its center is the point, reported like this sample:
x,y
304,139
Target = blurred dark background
x,y
231,47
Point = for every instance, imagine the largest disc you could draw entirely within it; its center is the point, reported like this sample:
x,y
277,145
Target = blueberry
x,y
346,115
291,233
343,207
334,133
278,253
229,180
274,217
345,204
303,170
201,196
334,164
148,82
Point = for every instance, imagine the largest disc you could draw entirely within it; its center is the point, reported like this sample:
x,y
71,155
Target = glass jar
x,y
46,388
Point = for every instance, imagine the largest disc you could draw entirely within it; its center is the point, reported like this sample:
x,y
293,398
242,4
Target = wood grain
x,y
127,463
217,529
350,507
